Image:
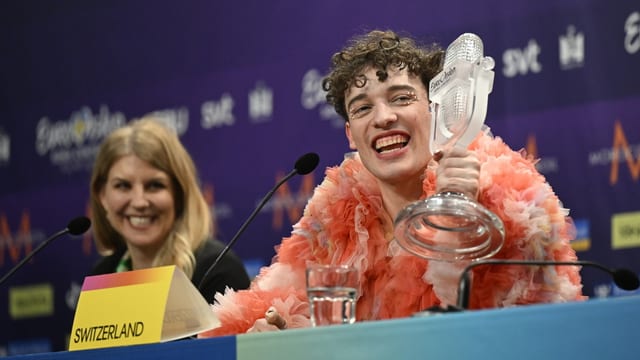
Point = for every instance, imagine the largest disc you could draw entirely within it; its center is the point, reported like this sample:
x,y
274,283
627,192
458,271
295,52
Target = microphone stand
x,y
623,278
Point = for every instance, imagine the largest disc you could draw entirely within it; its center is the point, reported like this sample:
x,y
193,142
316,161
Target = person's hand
x,y
272,321
458,171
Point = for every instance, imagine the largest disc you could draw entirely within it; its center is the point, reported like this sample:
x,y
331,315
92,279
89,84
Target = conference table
x,y
594,329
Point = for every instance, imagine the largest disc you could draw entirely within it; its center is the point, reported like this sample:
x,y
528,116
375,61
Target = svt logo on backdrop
x,y
522,61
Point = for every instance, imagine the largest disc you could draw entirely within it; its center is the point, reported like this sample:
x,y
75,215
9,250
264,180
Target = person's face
x,y
389,125
139,200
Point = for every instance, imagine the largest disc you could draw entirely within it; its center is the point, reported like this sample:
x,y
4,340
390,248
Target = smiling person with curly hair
x,y
379,84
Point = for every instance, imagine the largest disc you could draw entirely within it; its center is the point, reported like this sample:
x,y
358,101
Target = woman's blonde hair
x,y
153,142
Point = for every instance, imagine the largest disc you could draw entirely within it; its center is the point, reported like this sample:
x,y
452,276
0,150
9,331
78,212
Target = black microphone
x,y
76,226
623,278
304,165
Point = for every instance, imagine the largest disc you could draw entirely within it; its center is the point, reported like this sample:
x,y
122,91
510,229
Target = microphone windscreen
x,y
307,163
79,225
626,279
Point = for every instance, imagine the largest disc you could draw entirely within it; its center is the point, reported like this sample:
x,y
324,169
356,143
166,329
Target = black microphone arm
x,y
304,165
623,278
76,226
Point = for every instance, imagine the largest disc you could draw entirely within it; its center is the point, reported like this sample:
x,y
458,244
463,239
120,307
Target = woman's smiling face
x,y
139,201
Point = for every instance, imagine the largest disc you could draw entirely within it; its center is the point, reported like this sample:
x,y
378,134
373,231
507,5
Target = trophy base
x,y
449,227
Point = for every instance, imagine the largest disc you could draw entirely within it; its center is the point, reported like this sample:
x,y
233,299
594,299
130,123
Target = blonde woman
x,y
148,210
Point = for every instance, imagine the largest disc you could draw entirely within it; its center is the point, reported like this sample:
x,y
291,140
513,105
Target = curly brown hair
x,y
378,49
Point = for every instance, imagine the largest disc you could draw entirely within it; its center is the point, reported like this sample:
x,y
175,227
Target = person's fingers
x,y
458,171
273,317
261,325
437,156
459,158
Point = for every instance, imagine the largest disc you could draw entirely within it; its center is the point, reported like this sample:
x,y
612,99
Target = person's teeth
x,y
390,143
139,221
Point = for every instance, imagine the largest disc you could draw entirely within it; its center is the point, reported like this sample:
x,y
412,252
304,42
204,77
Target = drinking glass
x,y
332,292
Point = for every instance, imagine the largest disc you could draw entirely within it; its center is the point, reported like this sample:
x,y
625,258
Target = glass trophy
x,y
449,226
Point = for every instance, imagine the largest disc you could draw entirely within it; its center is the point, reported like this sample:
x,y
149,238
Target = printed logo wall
x,y
247,102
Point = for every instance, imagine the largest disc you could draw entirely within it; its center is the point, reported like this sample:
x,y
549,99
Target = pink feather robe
x,y
345,223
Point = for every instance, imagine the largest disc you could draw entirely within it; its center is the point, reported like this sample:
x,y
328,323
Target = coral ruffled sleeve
x,y
537,227
282,284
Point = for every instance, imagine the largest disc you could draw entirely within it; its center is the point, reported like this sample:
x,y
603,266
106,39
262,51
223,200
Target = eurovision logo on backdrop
x,y
71,144
313,96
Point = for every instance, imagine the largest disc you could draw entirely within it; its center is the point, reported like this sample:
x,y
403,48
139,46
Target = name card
x,y
138,307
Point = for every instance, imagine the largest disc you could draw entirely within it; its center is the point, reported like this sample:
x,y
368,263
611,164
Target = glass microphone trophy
x,y
448,226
